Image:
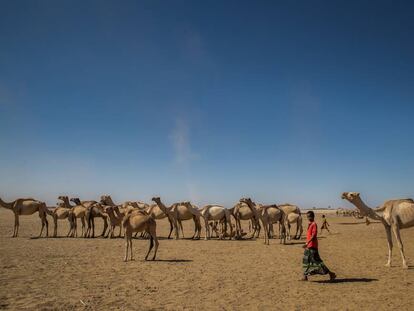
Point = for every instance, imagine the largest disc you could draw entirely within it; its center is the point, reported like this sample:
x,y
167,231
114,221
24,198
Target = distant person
x,y
312,262
325,224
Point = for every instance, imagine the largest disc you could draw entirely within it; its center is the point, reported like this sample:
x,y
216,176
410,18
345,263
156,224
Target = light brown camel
x,y
93,210
138,221
62,212
394,215
216,213
186,211
160,211
293,216
242,211
27,207
268,214
115,220
79,212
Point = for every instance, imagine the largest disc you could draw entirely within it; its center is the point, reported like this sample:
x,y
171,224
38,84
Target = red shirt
x,y
312,230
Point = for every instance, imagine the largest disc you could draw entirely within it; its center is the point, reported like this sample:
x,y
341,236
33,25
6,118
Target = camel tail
x,y
47,209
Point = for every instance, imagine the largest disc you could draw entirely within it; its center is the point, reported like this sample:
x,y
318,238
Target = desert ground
x,y
89,274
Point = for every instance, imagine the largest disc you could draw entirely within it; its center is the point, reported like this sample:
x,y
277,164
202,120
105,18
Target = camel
x,y
93,210
87,204
394,214
138,221
160,211
268,214
216,213
78,211
115,220
186,211
242,211
293,216
62,213
27,207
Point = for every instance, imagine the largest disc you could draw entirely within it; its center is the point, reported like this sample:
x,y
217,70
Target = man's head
x,y
323,216
310,215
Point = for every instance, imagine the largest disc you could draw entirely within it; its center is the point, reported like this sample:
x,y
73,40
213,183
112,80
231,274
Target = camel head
x,y
106,199
77,201
246,200
156,199
63,198
350,196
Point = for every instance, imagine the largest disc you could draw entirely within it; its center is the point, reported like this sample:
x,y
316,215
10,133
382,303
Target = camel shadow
x,y
347,280
173,260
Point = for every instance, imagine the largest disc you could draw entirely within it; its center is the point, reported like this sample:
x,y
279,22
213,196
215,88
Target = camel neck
x,y
6,205
162,206
365,209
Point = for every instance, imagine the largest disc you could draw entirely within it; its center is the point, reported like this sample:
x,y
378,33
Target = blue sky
x,y
207,100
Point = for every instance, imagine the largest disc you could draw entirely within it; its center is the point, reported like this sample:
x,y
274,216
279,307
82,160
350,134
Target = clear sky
x,y
282,101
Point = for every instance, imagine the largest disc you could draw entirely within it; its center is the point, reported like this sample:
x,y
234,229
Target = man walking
x,y
312,262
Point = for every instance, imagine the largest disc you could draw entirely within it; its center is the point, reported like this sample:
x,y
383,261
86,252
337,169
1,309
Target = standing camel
x,y
394,215
293,216
62,213
242,211
139,221
186,211
93,210
268,214
78,211
27,207
216,213
159,211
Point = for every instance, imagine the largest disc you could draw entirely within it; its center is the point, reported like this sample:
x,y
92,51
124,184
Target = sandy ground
x,y
89,274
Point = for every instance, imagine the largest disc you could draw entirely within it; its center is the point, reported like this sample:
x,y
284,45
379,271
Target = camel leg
x,y
389,240
93,226
171,227
55,229
180,223
130,246
83,227
397,235
43,225
105,227
150,247
47,225
16,225
126,244
120,231
207,228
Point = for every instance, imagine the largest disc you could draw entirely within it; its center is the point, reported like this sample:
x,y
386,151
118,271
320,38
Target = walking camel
x,y
394,215
139,221
293,216
27,207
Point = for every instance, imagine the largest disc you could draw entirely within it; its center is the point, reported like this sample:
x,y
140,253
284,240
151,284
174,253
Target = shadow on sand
x,y
173,260
347,280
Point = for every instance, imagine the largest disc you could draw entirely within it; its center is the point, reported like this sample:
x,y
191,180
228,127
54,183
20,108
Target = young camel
x,y
139,221
27,207
216,213
394,215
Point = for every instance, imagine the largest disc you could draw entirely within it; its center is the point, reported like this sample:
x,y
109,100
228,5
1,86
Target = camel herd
x,y
138,217
134,217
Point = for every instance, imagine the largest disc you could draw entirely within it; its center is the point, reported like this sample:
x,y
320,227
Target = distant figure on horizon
x,y
325,224
312,262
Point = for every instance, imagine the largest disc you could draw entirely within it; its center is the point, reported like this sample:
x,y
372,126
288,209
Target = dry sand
x,y
89,274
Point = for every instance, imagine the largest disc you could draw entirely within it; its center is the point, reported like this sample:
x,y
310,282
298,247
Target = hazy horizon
x,y
207,101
